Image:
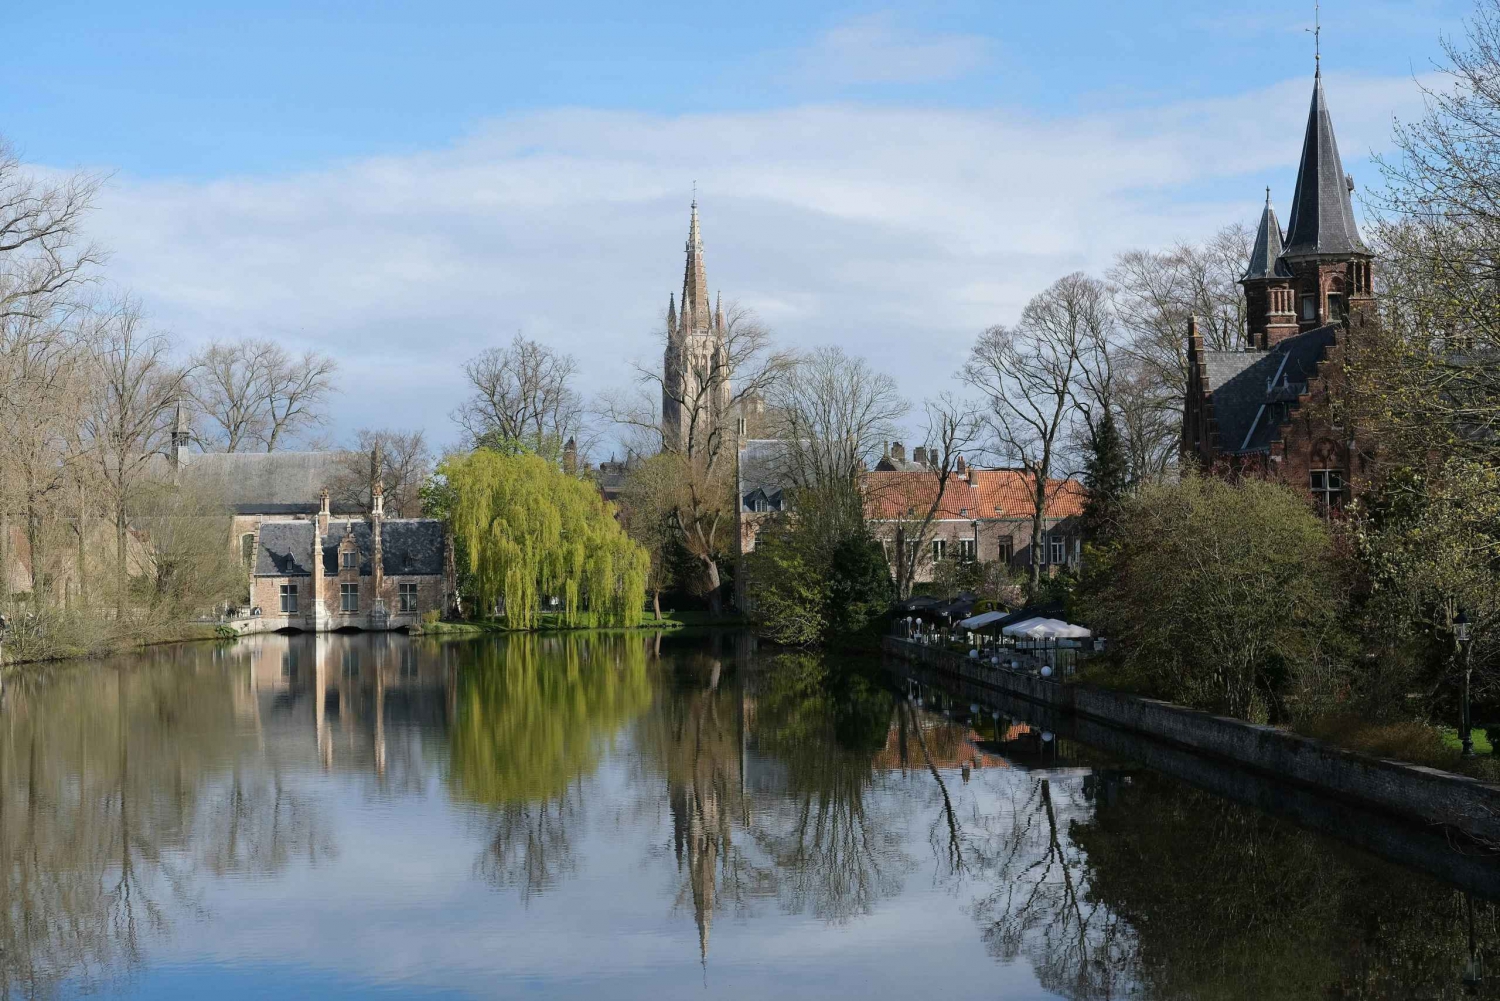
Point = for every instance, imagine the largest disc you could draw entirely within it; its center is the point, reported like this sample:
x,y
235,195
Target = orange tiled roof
x,y
994,493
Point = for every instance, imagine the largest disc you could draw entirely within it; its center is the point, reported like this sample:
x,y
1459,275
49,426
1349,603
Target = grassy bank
x,y
553,622
20,653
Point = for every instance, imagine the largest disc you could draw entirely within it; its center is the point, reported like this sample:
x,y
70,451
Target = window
x,y
1007,550
289,599
407,593
967,550
939,549
348,597
1327,488
1309,307
1059,548
351,559
1335,307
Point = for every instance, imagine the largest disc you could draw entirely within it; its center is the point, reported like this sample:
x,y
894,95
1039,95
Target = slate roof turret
x,y
1265,253
1322,219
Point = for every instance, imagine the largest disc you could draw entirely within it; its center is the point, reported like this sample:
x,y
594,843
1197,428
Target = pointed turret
x,y
719,312
182,436
671,315
1265,253
1322,219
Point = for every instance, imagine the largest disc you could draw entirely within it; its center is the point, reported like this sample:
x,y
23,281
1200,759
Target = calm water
x,y
636,818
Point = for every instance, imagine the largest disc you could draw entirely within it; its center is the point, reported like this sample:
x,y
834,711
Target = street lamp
x,y
1461,634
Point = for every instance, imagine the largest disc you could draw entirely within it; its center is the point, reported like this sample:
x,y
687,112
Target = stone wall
x,y
1418,793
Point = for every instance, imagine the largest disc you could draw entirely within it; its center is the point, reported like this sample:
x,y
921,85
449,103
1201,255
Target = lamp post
x,y
1461,634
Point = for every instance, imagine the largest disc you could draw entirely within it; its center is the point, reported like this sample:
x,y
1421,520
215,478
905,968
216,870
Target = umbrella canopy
x,y
981,620
1046,629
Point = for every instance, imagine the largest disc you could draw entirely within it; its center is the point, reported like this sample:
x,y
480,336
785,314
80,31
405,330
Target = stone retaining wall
x,y
1425,794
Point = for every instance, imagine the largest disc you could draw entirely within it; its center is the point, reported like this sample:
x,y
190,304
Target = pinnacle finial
x,y
1317,33
1268,196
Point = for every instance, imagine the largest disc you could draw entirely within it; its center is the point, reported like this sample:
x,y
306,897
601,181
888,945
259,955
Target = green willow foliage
x,y
530,530
534,712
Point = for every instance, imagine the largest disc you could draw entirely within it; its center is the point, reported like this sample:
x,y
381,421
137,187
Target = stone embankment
x,y
1415,792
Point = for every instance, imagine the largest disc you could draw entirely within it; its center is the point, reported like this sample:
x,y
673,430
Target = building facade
x,y
1260,409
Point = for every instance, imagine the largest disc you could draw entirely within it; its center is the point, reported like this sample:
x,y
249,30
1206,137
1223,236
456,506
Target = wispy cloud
x,y
896,233
874,49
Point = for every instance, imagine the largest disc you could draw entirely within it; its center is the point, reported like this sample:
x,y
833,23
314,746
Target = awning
x,y
982,619
1046,629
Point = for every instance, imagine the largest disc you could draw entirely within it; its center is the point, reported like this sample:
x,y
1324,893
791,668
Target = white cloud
x,y
898,233
872,49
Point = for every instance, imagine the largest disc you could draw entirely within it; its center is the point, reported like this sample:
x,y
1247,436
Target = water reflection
x,y
645,817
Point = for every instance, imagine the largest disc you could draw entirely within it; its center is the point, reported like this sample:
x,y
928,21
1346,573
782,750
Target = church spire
x,y
671,315
1322,219
695,312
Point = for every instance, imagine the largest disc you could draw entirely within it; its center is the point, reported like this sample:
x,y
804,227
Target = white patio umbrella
x,y
981,620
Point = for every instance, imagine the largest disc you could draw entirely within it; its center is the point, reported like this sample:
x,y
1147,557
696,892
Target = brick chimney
x,y
919,455
570,457
898,451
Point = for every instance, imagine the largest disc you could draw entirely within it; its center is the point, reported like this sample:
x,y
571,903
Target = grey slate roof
x,y
1252,390
1322,219
1265,254
760,466
270,482
409,547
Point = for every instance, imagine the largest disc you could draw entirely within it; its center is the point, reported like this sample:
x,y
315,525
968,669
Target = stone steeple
x,y
695,311
695,368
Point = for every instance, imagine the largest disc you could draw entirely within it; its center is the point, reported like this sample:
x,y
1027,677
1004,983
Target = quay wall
x,y
1427,795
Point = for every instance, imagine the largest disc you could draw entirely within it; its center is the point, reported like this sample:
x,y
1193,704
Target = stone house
x,y
326,573
1257,410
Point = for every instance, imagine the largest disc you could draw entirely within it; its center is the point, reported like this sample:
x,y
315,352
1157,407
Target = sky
x,y
402,185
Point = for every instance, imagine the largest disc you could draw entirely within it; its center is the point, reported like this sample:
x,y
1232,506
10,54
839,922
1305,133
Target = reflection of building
x,y
340,697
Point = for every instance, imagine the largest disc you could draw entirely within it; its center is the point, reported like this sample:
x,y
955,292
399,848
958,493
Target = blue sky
x,y
403,183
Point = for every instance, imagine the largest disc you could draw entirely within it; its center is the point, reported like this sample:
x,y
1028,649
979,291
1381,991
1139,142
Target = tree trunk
x,y
39,587
122,573
715,599
656,604
82,544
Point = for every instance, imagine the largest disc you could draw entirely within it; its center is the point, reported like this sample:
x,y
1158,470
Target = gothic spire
x,y
694,279
1322,219
671,314
1265,253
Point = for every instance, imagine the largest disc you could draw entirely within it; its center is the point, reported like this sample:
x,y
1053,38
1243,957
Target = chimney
x,y
181,435
958,466
971,473
323,513
919,455
898,451
570,457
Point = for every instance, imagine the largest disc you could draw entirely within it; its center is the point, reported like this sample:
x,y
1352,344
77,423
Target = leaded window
x,y
348,598
407,595
289,599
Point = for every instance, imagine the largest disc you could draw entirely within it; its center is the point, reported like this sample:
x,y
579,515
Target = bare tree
x,y
1155,294
953,425
132,391
522,396
39,376
704,455
41,259
1029,374
253,394
405,463
831,412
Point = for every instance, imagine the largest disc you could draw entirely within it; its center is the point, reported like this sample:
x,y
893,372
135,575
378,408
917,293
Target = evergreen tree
x,y
1107,478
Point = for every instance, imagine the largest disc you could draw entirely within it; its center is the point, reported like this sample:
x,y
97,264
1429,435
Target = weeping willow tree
x,y
530,530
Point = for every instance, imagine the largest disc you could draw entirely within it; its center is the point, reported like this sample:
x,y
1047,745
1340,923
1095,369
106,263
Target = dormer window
x,y
351,559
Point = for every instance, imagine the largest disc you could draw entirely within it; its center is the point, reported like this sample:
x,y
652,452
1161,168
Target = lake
x,y
632,816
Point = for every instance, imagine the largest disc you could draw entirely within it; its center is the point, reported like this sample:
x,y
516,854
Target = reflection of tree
x,y
111,793
1166,892
834,853
533,717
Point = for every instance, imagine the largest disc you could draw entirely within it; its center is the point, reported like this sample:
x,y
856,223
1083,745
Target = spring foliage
x,y
531,531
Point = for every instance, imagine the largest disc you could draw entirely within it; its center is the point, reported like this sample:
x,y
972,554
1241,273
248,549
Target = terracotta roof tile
x,y
994,493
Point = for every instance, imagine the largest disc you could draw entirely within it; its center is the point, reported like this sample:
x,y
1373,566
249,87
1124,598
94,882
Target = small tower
x,y
1269,308
182,436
